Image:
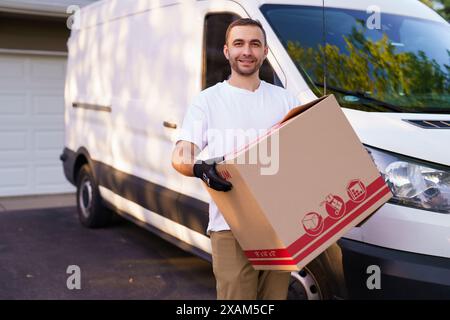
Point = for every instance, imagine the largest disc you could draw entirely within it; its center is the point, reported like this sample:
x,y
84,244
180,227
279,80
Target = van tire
x,y
91,212
321,279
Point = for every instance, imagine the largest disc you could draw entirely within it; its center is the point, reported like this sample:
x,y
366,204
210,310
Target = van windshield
x,y
391,64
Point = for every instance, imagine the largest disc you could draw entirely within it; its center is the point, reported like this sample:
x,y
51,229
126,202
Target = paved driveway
x,y
119,262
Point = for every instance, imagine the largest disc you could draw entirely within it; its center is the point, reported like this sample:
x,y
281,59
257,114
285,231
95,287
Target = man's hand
x,y
183,158
206,170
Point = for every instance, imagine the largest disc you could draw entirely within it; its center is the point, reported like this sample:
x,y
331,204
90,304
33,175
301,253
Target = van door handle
x,y
170,125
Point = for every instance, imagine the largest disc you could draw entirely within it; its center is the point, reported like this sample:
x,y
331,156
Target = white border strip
x,y
168,226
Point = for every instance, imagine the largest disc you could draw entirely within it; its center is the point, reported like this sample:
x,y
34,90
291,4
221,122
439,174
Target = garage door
x,y
31,124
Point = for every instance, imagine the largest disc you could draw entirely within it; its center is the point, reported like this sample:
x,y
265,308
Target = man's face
x,y
245,49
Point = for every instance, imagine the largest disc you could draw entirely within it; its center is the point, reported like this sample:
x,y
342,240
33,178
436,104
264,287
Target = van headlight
x,y
414,183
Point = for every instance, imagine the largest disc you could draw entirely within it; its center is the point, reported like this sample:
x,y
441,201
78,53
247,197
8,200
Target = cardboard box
x,y
324,184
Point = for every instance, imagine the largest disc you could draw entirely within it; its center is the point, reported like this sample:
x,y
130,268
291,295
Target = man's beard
x,y
235,66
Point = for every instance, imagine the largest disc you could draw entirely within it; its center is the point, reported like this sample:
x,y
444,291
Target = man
x,y
243,102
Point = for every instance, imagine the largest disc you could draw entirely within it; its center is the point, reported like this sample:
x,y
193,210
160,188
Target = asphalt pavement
x,y
122,261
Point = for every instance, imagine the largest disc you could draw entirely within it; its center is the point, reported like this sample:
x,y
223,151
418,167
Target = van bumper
x,y
404,275
68,158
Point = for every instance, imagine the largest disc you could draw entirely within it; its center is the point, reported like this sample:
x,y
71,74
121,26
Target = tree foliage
x,y
377,69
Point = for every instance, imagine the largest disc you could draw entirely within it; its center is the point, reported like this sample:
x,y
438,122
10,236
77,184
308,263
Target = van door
x,y
152,78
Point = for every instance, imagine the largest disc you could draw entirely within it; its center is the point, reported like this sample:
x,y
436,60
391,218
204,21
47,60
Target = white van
x,y
135,65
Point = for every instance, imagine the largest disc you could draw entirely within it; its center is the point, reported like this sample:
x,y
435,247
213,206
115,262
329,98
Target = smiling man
x,y
240,105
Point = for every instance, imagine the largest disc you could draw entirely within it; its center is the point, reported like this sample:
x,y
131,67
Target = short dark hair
x,y
245,22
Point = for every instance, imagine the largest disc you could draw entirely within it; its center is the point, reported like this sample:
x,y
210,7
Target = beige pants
x,y
236,279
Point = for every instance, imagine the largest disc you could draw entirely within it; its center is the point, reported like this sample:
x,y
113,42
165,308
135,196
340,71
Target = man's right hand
x,y
206,170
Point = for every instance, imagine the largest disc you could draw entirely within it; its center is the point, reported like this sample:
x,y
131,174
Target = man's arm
x,y
183,160
183,157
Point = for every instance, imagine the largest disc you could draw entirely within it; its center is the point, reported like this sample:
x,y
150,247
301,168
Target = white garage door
x,y
31,124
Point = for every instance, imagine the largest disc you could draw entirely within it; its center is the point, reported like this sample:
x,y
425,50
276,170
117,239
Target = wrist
x,y
196,169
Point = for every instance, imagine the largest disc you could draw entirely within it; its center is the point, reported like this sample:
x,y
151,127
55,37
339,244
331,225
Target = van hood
x,y
394,132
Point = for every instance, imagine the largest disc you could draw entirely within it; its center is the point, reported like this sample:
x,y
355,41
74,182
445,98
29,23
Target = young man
x,y
238,105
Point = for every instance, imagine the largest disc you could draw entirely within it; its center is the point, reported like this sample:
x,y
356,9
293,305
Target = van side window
x,y
216,66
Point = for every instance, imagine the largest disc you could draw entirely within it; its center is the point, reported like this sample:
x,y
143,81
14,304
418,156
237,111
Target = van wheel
x,y
321,279
91,212
303,286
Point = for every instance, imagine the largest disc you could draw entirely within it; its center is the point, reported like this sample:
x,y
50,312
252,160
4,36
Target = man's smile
x,y
246,61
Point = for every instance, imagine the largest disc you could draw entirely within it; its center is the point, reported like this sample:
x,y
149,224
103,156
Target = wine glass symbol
x,y
313,223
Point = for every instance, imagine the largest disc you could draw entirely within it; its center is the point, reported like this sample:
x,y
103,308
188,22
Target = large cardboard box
x,y
320,183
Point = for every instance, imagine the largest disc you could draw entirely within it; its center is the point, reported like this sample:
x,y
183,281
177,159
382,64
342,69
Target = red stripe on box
x,y
343,223
305,239
289,262
322,240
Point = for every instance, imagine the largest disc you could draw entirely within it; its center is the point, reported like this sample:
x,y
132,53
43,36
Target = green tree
x,y
444,11
428,3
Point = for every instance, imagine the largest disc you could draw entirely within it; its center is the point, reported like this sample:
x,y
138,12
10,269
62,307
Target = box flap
x,y
297,110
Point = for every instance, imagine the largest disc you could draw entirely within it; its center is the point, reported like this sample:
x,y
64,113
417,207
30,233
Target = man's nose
x,y
247,50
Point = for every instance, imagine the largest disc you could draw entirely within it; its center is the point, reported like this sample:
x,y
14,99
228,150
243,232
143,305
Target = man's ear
x,y
266,51
225,52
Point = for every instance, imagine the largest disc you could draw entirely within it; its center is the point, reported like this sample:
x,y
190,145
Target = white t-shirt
x,y
225,118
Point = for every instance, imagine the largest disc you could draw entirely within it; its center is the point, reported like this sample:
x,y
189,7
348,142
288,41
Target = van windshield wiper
x,y
364,96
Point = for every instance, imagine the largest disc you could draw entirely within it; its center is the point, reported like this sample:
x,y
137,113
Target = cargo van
x,y
135,65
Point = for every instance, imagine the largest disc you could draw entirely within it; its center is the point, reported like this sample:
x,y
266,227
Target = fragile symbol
x,y
356,190
313,223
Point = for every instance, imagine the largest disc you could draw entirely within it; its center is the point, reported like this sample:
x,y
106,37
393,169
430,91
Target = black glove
x,y
206,170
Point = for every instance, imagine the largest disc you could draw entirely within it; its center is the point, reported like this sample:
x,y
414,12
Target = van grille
x,y
430,124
